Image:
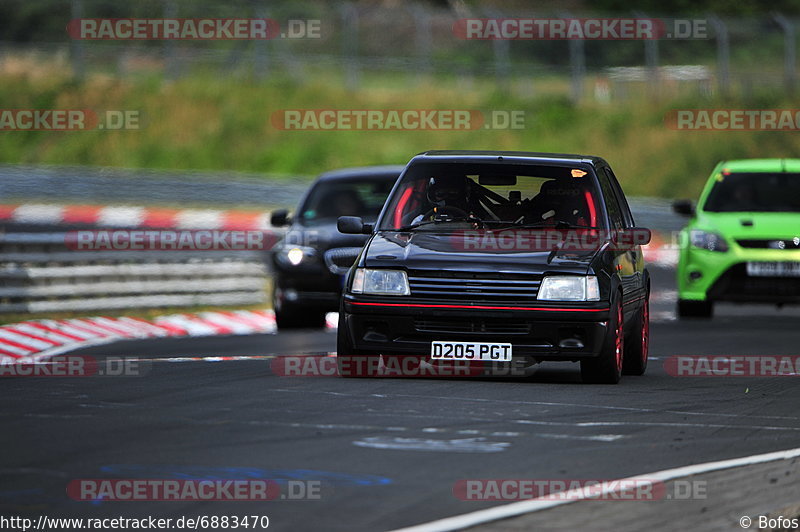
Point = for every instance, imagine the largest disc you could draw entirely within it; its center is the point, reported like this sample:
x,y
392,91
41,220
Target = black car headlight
x,y
380,282
569,288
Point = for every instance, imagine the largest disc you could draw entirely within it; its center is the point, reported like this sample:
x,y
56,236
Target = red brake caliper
x,y
645,329
618,339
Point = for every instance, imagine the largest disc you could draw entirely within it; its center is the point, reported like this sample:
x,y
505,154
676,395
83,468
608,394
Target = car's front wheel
x,y
607,368
295,316
695,309
352,362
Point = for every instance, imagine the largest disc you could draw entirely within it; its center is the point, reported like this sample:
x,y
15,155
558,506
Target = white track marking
x,y
466,445
694,425
506,511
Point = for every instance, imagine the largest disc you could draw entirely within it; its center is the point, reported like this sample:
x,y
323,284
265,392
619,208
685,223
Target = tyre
x,y
288,316
607,368
695,309
636,348
352,362
402,365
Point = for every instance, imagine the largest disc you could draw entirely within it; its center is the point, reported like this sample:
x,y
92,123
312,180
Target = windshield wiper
x,y
429,222
559,224
414,226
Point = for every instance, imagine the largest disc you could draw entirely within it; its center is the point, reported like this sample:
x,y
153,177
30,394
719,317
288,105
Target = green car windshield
x,y
755,192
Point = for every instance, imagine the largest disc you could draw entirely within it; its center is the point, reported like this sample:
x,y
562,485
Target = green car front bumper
x,y
705,275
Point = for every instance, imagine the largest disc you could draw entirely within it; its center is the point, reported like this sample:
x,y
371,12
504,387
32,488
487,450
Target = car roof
x,y
761,165
516,156
384,171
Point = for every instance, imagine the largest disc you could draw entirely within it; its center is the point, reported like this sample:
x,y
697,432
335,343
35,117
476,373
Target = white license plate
x,y
471,351
773,269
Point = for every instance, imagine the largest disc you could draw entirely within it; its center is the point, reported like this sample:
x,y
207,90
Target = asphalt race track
x,y
386,453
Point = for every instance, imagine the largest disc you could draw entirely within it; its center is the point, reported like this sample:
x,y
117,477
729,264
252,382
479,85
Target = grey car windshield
x,y
352,197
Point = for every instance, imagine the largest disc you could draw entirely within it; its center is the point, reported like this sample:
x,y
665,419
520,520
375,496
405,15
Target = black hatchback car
x,y
311,260
499,257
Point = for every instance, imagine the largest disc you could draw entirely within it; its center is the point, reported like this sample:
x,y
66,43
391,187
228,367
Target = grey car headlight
x,y
380,282
569,288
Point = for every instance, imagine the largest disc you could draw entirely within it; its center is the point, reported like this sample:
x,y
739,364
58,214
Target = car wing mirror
x,y
632,237
279,218
683,207
353,225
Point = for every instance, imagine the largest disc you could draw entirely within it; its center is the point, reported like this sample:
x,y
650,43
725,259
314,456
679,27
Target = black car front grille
x,y
753,243
474,286
472,326
736,285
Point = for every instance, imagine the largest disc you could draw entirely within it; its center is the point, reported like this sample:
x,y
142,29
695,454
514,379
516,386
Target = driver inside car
x,y
450,198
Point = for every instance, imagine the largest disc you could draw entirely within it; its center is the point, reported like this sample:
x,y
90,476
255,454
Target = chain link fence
x,y
413,43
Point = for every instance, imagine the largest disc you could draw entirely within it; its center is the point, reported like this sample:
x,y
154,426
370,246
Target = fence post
x,y
501,49
423,39
723,54
349,33
76,45
651,61
170,63
261,59
577,62
789,52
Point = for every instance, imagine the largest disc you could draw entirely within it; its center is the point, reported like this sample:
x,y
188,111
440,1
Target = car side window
x,y
627,215
612,205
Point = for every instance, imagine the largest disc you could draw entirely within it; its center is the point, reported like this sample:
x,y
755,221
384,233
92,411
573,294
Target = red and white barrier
x,y
134,216
37,339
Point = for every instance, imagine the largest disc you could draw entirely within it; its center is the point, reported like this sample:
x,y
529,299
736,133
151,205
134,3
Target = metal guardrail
x,y
39,273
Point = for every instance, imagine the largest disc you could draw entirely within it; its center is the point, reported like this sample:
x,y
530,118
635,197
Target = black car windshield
x,y
755,192
444,196
330,199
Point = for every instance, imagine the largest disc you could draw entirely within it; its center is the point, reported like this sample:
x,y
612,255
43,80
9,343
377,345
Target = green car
x,y
742,243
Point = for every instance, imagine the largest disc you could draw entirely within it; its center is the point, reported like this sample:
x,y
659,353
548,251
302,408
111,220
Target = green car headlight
x,y
708,240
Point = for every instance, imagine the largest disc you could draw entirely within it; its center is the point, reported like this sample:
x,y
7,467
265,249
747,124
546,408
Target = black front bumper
x,y
736,286
544,332
318,290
